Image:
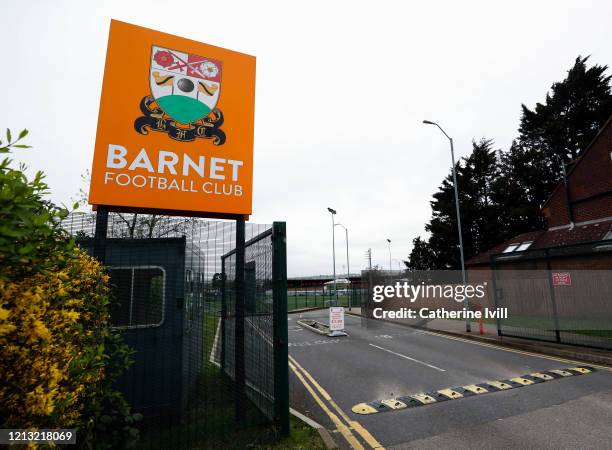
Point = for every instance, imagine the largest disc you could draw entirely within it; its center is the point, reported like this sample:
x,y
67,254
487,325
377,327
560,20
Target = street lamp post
x,y
333,213
389,242
348,267
468,327
399,265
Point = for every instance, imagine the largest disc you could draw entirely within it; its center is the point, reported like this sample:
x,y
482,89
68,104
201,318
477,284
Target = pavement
x,y
380,360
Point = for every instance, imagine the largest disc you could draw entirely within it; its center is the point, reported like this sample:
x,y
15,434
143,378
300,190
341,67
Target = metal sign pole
x,y
279,308
239,366
99,250
223,312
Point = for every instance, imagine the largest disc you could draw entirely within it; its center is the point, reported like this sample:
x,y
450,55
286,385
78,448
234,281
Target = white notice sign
x,y
336,318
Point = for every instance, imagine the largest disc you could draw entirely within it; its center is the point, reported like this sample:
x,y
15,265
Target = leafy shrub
x,y
59,357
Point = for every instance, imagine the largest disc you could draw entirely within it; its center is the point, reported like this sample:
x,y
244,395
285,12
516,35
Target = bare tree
x,y
137,225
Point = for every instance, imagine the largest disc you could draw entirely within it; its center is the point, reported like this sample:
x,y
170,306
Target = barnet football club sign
x,y
175,130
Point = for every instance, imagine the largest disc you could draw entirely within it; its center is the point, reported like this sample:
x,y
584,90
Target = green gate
x,y
254,325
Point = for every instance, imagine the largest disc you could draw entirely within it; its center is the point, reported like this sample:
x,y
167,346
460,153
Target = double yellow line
x,y
341,421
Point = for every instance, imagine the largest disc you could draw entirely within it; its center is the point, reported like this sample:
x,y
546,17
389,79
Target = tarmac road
x,y
382,360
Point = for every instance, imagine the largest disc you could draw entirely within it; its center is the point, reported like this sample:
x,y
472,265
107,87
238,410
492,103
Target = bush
x,y
59,356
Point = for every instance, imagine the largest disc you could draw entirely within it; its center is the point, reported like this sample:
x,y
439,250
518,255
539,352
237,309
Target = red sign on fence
x,y
561,279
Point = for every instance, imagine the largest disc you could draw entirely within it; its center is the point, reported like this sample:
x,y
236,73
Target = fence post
x,y
553,299
99,250
495,302
239,366
281,351
223,312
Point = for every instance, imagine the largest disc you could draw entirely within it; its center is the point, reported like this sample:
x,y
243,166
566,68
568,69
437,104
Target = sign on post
x,y
336,318
175,128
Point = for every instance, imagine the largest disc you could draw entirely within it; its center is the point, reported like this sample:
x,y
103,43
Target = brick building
x,y
556,282
578,214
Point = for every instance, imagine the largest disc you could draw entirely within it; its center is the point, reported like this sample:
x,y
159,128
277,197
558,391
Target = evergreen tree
x,y
524,183
476,175
442,227
552,134
421,257
574,110
500,195
480,221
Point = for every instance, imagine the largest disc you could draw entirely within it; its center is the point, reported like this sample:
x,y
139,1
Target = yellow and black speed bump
x,y
409,402
442,395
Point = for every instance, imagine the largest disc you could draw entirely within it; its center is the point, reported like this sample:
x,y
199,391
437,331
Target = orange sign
x,y
175,130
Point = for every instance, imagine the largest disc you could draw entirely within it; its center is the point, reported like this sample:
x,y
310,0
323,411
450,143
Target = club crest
x,y
185,89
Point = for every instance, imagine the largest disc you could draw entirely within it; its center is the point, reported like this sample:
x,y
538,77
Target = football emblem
x,y
186,87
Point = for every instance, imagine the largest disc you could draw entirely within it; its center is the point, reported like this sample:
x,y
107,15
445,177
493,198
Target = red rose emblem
x,y
163,58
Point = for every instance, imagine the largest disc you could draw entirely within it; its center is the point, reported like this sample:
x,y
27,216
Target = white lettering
x,y
141,161
127,179
115,158
167,159
214,169
144,181
235,164
188,162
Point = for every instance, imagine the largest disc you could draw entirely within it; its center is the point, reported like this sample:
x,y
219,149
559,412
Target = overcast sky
x,y
342,89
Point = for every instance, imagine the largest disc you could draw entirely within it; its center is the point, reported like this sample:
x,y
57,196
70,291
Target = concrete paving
x,y
380,360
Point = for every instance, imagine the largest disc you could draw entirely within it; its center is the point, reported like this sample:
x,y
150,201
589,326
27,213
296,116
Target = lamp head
x,y
429,122
389,241
333,211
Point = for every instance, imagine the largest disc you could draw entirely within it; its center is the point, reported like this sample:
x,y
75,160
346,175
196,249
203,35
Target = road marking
x,y
213,351
356,426
408,357
365,434
350,438
319,342
426,398
513,350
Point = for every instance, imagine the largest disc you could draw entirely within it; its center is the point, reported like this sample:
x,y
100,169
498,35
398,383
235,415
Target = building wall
x,y
526,285
590,186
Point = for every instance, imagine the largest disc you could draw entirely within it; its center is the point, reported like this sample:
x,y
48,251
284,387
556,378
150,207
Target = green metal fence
x,y
254,348
559,294
319,297
175,299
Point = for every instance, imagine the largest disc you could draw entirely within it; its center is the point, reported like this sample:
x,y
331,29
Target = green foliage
x,y
59,356
501,193
551,135
573,112
29,224
476,175
421,256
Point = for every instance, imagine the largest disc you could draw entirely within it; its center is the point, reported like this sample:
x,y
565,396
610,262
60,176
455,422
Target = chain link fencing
x,y
560,295
321,297
174,290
